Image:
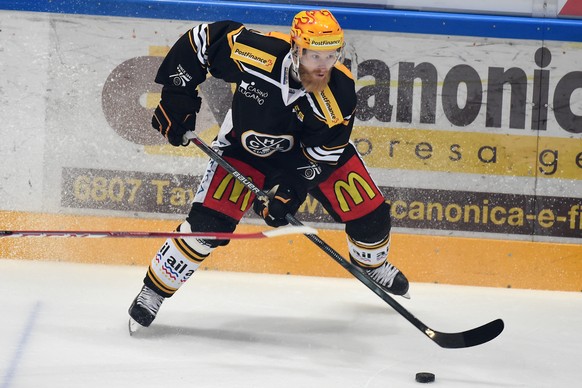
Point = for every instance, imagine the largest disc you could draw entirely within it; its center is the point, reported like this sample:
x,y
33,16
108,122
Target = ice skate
x,y
144,308
389,278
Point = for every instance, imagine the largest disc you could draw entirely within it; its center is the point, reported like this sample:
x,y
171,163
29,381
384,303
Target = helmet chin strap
x,y
294,73
295,63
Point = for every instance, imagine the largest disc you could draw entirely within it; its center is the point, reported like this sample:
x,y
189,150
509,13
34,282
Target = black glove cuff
x,y
180,101
176,114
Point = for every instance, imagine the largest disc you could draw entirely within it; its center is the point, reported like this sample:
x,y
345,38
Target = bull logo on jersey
x,y
264,145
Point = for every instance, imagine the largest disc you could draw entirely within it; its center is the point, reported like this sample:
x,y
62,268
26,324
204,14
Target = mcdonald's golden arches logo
x,y
341,188
236,192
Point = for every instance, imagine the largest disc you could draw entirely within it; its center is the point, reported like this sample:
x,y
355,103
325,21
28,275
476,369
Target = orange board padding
x,y
423,258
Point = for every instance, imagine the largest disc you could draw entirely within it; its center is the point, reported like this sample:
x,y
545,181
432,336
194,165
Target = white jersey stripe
x,y
315,154
315,108
199,33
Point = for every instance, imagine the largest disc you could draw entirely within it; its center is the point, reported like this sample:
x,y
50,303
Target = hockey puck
x,y
424,377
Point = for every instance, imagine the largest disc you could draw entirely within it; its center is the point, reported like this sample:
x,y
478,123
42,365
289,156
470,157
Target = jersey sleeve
x,y
201,50
204,48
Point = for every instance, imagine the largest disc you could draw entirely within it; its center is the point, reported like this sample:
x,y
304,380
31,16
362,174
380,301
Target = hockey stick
x,y
123,234
464,339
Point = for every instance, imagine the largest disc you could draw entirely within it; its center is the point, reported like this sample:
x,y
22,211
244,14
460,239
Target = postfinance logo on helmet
x,y
317,30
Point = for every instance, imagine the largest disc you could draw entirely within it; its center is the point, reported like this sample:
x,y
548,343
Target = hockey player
x,y
288,131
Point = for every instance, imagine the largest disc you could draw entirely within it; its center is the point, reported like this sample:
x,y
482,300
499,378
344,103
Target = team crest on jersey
x,y
252,56
264,145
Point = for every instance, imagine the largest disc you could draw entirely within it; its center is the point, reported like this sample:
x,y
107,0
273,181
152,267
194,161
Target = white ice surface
x,y
65,325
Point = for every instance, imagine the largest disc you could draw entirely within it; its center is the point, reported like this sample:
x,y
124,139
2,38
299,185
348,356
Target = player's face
x,y
315,67
319,59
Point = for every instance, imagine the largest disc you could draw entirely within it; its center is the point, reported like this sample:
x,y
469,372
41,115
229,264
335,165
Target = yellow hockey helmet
x,y
317,30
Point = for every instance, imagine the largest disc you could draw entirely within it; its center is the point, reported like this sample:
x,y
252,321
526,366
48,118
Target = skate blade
x,y
133,326
406,296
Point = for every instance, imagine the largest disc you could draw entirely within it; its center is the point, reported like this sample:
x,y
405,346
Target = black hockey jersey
x,y
273,118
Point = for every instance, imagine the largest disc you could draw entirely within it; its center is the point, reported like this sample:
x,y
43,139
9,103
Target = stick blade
x,y
301,229
469,338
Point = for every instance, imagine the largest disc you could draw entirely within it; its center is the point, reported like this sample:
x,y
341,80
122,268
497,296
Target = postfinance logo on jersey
x,y
329,106
252,56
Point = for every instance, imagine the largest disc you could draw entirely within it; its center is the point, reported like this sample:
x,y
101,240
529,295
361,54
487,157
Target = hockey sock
x,y
369,255
175,262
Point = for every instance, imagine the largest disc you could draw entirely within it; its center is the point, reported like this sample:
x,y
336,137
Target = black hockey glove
x,y
282,200
175,115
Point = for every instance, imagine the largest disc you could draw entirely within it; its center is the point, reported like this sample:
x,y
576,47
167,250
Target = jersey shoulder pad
x,y
218,30
342,68
280,35
258,50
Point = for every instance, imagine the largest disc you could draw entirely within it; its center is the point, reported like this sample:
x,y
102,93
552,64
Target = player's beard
x,y
312,81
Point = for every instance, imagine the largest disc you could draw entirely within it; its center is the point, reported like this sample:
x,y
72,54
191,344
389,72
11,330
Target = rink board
x,y
484,189
429,259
